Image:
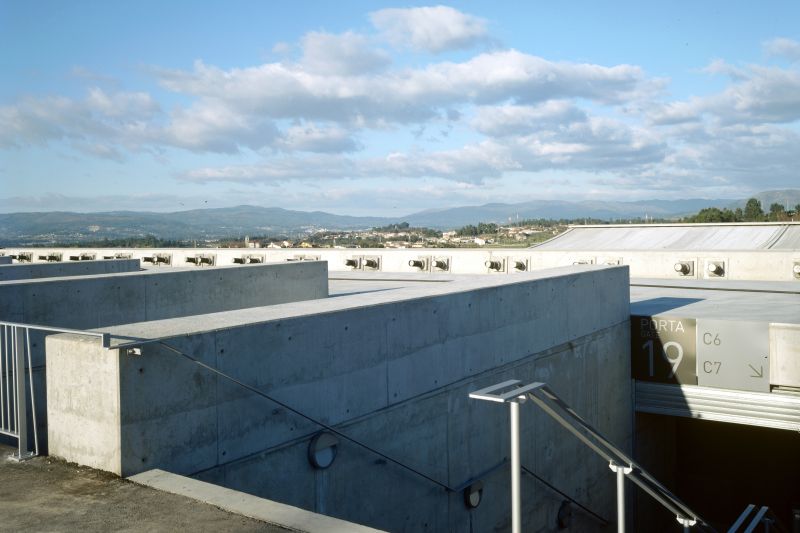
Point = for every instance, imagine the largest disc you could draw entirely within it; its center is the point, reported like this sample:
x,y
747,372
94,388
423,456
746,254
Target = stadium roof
x,y
748,236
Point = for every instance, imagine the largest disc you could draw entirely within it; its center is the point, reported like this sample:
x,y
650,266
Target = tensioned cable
x,y
309,418
358,443
567,496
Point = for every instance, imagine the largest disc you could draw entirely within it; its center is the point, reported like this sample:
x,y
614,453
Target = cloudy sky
x,y
386,109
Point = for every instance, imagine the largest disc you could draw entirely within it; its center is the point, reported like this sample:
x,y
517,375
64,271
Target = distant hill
x,y
788,198
28,228
194,224
503,213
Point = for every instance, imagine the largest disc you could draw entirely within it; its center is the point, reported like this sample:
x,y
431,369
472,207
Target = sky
x,y
375,108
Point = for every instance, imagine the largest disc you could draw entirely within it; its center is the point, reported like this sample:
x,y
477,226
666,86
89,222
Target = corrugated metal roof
x,y
677,237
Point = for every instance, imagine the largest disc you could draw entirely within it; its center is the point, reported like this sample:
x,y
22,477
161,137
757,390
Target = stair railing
x,y
513,392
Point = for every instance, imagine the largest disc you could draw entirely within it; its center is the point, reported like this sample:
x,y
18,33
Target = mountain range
x,y
59,226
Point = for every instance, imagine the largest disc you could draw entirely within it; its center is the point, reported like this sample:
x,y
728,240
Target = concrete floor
x,y
49,495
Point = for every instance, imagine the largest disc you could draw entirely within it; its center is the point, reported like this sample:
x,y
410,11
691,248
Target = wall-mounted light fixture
x,y
473,494
322,450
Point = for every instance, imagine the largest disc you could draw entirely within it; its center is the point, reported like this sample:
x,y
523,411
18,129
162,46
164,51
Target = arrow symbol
x,y
758,373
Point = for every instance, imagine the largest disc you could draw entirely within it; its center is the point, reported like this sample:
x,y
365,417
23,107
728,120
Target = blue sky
x,y
385,109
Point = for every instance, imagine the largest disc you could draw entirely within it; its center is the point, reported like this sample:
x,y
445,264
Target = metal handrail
x,y
764,516
105,338
513,392
15,349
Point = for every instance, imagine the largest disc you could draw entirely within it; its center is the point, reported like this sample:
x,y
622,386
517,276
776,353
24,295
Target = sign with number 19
x,y
664,349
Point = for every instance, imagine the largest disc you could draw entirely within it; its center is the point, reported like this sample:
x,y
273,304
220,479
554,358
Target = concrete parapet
x,y
87,302
655,262
20,271
392,369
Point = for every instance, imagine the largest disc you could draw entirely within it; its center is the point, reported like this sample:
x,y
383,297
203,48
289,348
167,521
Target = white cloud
x,y
431,29
757,95
470,164
341,55
282,90
306,117
783,47
214,126
675,112
500,121
40,120
97,149
122,104
720,66
312,138
767,95
594,144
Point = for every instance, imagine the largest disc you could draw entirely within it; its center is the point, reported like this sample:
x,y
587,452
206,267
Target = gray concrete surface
x,y
392,368
247,505
751,301
5,260
49,495
85,302
17,271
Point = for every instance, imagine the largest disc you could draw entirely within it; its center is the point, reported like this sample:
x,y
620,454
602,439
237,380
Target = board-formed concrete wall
x,y
393,369
87,302
18,271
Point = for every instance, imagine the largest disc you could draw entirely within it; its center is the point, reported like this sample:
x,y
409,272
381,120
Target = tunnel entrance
x,y
718,468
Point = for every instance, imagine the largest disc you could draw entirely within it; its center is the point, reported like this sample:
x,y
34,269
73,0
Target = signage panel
x,y
733,355
664,349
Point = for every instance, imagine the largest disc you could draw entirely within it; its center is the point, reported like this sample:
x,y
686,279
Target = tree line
x,y
752,212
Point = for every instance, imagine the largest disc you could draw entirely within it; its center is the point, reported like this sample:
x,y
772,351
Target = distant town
x,y
519,233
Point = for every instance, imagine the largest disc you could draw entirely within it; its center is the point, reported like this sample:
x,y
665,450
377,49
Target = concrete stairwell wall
x,y
392,369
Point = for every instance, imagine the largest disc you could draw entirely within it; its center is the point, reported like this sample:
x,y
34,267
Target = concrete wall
x,y
9,272
766,265
87,302
393,369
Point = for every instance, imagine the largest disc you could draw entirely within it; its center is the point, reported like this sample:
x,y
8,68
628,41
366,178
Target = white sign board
x,y
733,355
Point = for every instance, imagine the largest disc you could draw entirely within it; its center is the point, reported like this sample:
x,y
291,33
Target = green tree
x,y
713,214
486,227
468,231
777,212
753,211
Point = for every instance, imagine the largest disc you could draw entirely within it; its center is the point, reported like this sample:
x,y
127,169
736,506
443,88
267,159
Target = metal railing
x,y
15,355
763,516
513,392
